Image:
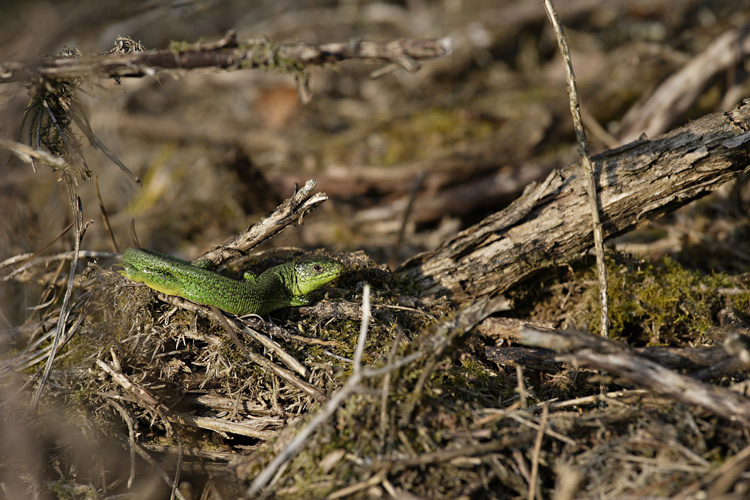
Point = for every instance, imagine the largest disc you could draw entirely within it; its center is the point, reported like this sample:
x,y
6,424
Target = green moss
x,y
264,54
426,131
655,303
178,46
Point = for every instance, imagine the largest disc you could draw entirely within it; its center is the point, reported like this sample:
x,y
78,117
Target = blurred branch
x,y
28,153
228,53
677,93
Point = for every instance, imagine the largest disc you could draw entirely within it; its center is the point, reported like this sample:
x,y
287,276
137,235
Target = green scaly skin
x,y
285,285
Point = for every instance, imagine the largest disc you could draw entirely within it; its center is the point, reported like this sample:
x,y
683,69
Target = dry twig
x,y
585,350
290,377
227,54
583,150
29,154
152,403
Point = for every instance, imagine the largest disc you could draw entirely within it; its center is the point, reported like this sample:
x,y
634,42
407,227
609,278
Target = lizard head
x,y
314,272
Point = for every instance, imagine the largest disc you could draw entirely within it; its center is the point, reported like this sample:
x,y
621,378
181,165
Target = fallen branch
x,y
588,351
227,54
702,363
543,228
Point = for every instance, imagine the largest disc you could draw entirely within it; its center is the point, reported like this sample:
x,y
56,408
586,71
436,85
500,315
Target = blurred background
x,y
218,150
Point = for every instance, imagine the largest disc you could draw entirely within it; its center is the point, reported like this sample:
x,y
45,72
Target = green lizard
x,y
285,285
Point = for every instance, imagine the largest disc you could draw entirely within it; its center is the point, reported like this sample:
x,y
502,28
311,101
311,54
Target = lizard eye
x,y
317,268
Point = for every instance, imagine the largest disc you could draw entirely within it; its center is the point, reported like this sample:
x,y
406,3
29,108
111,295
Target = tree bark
x,y
548,224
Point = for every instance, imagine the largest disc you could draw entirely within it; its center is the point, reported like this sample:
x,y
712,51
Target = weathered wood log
x,y
550,223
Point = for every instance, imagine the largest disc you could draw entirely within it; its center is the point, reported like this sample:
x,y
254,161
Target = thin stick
x,y
161,472
29,257
521,387
222,426
131,436
274,347
739,460
291,211
232,55
583,150
387,388
299,441
45,300
152,403
29,260
363,329
589,351
533,486
133,233
83,123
